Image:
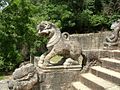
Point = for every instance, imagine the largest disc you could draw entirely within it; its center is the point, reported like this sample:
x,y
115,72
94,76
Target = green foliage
x,y
58,14
16,30
19,20
1,77
113,18
97,20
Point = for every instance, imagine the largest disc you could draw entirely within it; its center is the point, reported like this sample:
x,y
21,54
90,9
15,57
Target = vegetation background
x,y
19,18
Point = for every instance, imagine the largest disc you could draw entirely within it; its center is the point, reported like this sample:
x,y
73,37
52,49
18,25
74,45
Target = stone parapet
x,y
100,53
91,40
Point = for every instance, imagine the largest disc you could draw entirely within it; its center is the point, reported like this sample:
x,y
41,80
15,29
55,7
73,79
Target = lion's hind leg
x,y
80,60
69,62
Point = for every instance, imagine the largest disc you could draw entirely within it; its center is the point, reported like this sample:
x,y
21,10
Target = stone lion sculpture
x,y
112,40
59,44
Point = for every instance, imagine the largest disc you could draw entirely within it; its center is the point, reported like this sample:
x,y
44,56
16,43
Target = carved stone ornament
x,y
59,44
112,40
24,78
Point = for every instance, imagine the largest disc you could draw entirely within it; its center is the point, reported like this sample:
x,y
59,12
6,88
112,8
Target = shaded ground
x,y
4,78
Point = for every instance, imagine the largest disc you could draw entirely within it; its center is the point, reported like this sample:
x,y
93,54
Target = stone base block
x,y
57,77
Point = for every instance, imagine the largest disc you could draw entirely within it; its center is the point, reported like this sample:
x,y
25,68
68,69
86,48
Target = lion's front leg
x,y
41,59
48,57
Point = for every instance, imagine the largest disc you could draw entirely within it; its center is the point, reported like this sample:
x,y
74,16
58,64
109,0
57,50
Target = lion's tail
x,y
65,35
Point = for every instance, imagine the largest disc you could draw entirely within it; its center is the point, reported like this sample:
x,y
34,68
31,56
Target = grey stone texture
x,y
113,64
24,78
113,39
23,71
59,44
106,74
4,85
104,77
59,79
100,53
79,86
97,83
91,40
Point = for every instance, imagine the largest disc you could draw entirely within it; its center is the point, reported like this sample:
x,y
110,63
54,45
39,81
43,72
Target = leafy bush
x,y
97,20
16,31
18,37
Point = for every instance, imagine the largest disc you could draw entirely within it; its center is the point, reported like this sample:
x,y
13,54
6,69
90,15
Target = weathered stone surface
x,y
59,44
100,53
91,40
98,83
57,79
112,40
23,71
110,63
4,85
60,78
103,77
24,78
116,53
35,61
79,86
106,74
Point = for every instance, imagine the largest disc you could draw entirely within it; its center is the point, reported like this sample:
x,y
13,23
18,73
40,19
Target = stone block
x,y
104,53
57,79
95,82
112,64
116,54
106,74
29,68
91,40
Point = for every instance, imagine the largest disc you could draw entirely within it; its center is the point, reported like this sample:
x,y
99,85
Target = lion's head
x,y
46,28
50,31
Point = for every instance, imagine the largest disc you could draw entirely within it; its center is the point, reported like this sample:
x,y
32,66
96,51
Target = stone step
x,y
106,74
112,64
97,83
79,86
101,53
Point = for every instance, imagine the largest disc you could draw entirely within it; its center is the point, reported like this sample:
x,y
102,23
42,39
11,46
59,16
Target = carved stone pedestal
x,y
57,77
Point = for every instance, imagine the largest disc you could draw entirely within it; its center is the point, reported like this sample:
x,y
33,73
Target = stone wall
x,y
90,40
93,45
57,78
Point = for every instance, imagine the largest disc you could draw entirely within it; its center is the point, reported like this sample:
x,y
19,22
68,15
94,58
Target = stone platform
x,y
57,77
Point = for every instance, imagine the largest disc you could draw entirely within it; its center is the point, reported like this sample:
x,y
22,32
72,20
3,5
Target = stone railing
x,y
91,40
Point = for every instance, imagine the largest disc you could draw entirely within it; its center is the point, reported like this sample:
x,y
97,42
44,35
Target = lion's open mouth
x,y
46,34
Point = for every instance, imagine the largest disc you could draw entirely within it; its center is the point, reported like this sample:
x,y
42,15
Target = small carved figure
x,y
24,78
59,44
112,40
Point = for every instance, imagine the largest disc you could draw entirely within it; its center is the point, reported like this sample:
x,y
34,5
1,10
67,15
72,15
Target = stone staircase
x,y
105,77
